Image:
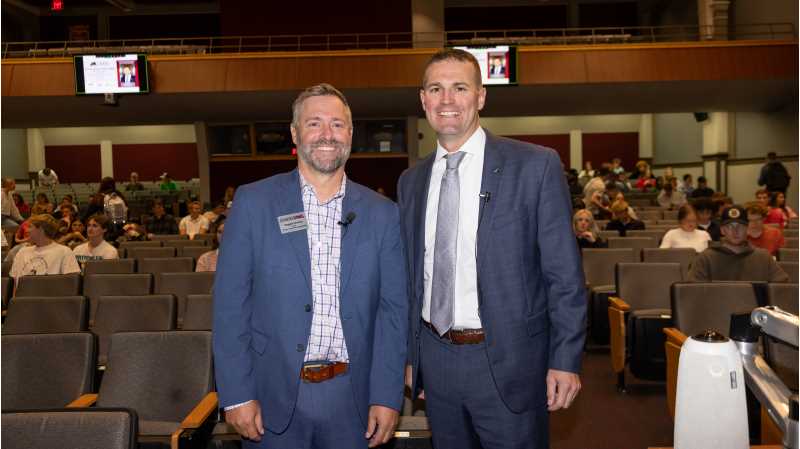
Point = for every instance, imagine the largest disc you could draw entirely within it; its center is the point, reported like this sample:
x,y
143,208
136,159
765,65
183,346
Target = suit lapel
x,y
350,233
421,200
292,202
493,165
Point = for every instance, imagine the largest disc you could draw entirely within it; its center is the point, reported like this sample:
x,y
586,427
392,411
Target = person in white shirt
x,y
47,178
670,198
194,223
96,248
10,212
686,235
44,256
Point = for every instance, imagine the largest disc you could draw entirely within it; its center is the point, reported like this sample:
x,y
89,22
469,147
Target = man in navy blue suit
x,y
310,298
497,291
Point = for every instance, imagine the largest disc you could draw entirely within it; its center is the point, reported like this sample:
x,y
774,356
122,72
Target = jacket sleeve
x,y
699,271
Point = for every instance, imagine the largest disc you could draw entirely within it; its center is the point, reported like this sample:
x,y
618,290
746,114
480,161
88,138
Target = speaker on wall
x,y
701,116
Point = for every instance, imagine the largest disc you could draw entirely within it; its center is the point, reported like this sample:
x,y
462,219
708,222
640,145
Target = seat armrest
x,y
618,303
195,418
672,350
86,400
675,336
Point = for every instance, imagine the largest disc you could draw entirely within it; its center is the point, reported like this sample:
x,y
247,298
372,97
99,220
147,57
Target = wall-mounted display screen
x,y
111,74
498,64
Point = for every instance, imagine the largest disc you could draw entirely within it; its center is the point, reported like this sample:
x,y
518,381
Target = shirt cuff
x,y
231,407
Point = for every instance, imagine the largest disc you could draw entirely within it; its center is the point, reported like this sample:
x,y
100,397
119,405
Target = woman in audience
x,y
586,231
42,205
670,198
622,221
45,256
686,235
22,206
779,213
21,240
587,173
96,248
596,202
208,261
76,234
645,181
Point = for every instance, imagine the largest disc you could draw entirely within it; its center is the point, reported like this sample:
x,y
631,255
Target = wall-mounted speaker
x,y
701,116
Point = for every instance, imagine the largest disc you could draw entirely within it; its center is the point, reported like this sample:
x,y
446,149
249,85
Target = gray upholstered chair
x,y
97,285
637,243
598,270
198,314
49,285
164,237
46,370
155,265
111,266
791,269
683,256
781,356
184,243
39,315
193,251
183,284
788,254
69,427
141,253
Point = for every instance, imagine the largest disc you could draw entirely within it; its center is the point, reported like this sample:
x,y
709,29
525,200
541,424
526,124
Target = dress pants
x,y
464,408
325,417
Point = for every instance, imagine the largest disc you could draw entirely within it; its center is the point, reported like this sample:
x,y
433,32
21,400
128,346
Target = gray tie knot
x,y
453,159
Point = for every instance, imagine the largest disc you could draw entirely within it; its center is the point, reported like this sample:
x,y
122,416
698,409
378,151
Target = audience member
x,y
686,187
132,231
95,206
767,237
587,173
686,235
702,189
774,176
68,201
596,202
10,211
75,234
575,188
706,211
614,194
779,213
23,207
47,178
42,205
218,211
734,259
638,170
45,256
160,222
65,213
670,198
208,261
114,203
646,182
586,231
622,221
21,240
616,166
96,248
228,197
762,196
194,223
167,184
134,185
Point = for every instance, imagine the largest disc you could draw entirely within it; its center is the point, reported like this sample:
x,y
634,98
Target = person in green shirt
x,y
167,183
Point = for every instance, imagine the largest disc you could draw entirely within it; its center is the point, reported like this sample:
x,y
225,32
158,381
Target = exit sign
x,y
57,5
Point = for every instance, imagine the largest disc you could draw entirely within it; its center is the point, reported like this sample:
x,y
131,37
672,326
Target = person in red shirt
x,y
767,237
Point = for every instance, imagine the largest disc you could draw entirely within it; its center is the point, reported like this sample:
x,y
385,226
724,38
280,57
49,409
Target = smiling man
x,y
310,298
497,300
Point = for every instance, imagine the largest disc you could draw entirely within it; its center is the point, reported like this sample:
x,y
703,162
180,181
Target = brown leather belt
x,y
460,337
315,373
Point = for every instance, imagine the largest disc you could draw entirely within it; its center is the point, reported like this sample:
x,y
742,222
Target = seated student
x,y
21,240
208,261
779,213
586,231
706,211
686,235
160,222
670,198
45,256
42,205
622,221
767,237
595,201
614,194
76,234
96,248
734,259
194,223
702,189
218,211
762,196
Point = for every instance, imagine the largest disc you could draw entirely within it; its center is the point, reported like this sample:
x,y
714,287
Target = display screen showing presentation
x,y
498,64
106,74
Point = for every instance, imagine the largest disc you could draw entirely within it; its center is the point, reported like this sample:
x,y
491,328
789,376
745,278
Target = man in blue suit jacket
x,y
507,347
311,285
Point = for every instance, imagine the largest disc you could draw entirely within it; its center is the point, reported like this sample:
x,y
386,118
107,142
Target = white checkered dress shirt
x,y
326,341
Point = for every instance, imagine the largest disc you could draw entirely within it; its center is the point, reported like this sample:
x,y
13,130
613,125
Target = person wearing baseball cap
x,y
733,258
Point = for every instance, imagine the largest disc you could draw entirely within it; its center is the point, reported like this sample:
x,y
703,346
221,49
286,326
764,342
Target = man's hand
x,y
246,419
408,383
381,424
562,387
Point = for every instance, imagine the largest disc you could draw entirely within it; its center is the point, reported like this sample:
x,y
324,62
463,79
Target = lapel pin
x,y
497,170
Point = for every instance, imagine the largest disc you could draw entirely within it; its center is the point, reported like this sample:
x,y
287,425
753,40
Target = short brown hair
x,y
319,90
684,211
619,206
453,54
100,219
756,208
46,223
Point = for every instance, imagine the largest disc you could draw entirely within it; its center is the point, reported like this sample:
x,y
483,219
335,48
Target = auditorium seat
x,y
183,284
598,269
607,234
642,300
166,377
141,253
198,315
38,315
637,243
791,268
671,215
193,251
656,235
791,242
162,237
7,289
46,370
155,265
696,307
788,254
649,214
669,222
97,285
141,244
790,233
7,268
683,256
184,243
49,285
129,314
781,356
111,266
69,428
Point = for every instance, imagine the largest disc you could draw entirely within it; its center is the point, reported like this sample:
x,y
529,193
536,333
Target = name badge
x,y
292,222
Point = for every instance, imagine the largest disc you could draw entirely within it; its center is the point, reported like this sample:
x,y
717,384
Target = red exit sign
x,y
57,5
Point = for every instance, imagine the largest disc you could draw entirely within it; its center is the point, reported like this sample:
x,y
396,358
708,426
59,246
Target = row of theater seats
x,y
640,240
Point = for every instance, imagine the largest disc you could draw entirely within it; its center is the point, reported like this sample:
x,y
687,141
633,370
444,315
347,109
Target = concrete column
x,y
106,159
646,137
712,17
36,160
427,23
412,140
203,164
717,147
576,149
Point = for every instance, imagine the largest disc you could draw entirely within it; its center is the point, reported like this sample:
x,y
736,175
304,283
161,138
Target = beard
x,y
308,153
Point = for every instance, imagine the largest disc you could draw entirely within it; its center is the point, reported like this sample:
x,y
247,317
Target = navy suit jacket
x,y
531,295
262,291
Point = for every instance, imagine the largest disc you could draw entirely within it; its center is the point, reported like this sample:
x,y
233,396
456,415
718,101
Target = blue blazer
x,y
262,299
531,294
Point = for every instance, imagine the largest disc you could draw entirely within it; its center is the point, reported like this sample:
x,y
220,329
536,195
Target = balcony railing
x,y
373,41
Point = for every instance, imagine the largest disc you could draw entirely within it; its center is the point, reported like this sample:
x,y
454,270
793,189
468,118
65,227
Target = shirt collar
x,y
474,145
306,186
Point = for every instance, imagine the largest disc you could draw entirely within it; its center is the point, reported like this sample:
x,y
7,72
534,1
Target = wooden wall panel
x,y
564,67
74,163
602,147
151,160
42,79
558,142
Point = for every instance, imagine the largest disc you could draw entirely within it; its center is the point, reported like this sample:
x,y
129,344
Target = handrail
x,y
399,40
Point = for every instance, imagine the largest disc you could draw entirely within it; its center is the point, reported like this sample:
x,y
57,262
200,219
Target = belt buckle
x,y
317,372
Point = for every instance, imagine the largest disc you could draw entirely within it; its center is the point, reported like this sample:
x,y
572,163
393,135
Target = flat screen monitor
x,y
111,74
498,64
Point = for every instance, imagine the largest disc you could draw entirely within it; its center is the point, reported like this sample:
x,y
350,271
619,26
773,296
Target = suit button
x,y
308,307
301,348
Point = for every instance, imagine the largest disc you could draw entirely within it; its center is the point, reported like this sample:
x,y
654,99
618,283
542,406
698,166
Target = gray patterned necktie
x,y
444,256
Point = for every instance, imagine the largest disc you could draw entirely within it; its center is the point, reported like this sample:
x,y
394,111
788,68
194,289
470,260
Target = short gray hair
x,y
319,90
